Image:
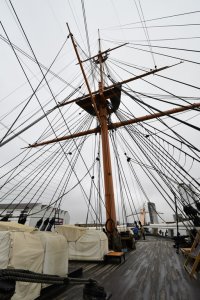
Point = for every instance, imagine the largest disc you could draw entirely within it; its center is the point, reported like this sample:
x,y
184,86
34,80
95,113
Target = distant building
x,y
34,212
153,213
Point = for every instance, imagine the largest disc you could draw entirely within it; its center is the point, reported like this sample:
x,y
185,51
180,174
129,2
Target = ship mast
x,y
108,179
102,115
96,103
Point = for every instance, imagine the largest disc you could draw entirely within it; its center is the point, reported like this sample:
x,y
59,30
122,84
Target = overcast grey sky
x,y
45,25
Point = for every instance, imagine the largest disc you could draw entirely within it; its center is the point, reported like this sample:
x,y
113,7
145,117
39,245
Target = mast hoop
x,y
110,224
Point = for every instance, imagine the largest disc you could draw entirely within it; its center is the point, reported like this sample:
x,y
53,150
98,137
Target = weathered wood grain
x,y
152,272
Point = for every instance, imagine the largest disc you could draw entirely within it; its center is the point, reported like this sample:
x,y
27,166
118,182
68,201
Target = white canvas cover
x,y
22,250
14,226
55,253
40,252
71,232
5,242
92,245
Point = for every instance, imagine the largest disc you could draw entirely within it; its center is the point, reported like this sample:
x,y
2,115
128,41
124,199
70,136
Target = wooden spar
x,y
120,124
65,137
116,84
83,72
156,115
104,52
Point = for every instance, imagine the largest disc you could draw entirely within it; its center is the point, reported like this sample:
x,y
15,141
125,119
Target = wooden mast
x,y
108,179
102,115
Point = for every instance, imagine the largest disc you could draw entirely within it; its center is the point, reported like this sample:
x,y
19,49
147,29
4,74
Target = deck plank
x,y
153,271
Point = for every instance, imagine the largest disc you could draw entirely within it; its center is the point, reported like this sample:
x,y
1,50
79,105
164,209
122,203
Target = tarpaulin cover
x,y
27,253
5,242
70,232
40,252
12,226
92,245
56,253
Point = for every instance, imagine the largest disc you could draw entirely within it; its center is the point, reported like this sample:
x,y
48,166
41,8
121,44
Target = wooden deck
x,y
153,271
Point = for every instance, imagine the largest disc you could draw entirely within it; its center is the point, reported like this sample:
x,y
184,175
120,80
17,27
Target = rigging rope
x,y
144,26
160,18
